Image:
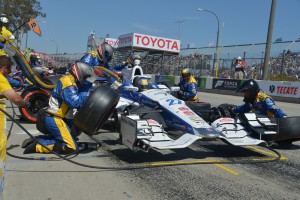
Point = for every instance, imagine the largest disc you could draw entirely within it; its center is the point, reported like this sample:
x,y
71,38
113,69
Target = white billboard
x,y
149,42
280,88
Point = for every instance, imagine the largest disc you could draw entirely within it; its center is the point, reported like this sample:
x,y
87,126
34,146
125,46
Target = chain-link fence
x,y
284,61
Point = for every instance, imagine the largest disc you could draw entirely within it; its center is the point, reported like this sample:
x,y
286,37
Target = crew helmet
x,y
250,85
3,20
83,73
33,59
185,71
141,82
38,58
105,52
250,89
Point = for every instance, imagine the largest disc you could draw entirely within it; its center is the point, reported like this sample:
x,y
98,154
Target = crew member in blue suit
x,y
257,101
188,86
70,93
122,65
15,83
100,58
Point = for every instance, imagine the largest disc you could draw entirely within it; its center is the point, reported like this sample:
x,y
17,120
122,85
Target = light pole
x,y
56,52
217,44
179,23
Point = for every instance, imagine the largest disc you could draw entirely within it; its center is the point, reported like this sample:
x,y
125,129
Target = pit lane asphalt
x,y
62,180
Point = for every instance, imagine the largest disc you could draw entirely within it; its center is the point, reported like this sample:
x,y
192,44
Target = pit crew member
x,y
70,93
257,101
188,86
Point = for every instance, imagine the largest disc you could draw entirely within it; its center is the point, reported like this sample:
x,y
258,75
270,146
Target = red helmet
x,y
83,72
105,52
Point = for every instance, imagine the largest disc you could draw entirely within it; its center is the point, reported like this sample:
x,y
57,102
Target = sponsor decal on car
x,y
152,122
189,113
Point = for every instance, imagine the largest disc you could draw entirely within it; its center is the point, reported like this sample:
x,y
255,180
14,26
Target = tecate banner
x,y
280,88
149,42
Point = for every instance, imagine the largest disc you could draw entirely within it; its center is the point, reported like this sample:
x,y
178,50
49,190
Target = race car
x,y
145,117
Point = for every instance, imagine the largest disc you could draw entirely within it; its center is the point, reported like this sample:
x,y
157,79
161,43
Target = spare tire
x,y
288,129
96,110
37,98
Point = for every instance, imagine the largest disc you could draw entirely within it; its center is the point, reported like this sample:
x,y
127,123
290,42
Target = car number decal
x,y
173,102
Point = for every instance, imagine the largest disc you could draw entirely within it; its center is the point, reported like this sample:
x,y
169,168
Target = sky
x,y
69,23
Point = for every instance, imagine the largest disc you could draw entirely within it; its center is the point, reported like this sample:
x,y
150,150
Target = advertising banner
x,y
280,88
201,82
226,84
149,42
112,42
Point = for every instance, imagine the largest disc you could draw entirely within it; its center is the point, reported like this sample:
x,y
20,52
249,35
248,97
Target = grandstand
x,y
284,59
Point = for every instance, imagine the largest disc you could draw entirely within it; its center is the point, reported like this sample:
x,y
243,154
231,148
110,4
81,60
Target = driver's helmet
x,y
3,20
134,60
105,52
185,72
141,82
83,73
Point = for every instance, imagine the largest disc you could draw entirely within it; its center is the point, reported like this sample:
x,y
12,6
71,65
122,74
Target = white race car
x,y
145,117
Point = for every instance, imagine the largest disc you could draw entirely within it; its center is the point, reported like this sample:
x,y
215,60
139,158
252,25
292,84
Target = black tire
x,y
38,99
96,110
288,129
214,114
225,110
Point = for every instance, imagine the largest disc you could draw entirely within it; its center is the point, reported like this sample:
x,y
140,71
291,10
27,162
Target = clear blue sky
x,y
69,23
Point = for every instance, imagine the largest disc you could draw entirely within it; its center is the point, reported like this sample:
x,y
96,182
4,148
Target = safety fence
x,y
205,61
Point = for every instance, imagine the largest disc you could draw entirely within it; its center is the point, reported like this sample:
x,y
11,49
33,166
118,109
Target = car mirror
x,y
174,89
131,88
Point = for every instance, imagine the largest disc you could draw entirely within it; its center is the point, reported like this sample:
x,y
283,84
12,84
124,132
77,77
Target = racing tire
x,y
225,110
288,130
96,110
214,114
38,99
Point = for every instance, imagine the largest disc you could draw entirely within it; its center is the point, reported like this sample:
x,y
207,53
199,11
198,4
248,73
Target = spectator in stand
x,y
239,67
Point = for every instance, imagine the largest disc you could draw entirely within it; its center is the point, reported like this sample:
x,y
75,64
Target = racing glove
x,y
25,85
180,92
115,85
27,103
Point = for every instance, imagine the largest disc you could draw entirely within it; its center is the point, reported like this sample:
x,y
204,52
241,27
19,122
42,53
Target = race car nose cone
x,y
206,133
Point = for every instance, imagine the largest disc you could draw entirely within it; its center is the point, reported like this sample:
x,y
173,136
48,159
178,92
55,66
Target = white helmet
x,y
3,19
136,62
